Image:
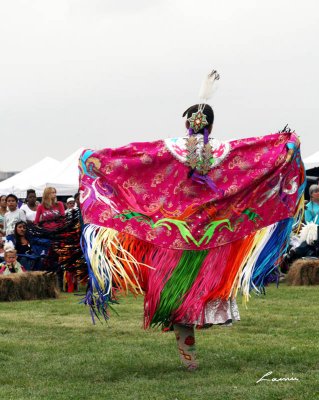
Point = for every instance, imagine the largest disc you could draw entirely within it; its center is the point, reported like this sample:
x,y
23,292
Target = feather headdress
x,y
206,90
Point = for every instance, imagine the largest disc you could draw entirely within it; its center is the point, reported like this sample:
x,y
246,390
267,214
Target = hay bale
x,y
304,271
28,286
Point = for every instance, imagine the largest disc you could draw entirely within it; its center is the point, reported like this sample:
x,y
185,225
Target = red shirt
x,y
49,217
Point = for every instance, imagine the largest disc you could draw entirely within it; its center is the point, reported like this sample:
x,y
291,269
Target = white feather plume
x,y
206,89
309,233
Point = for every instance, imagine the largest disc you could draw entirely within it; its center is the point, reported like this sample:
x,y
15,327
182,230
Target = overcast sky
x,y
102,73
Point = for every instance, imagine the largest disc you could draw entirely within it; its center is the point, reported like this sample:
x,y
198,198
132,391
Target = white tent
x,y
312,161
66,176
63,175
31,178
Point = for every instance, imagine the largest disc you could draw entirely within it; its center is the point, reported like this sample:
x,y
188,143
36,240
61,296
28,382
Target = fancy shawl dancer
x,y
188,221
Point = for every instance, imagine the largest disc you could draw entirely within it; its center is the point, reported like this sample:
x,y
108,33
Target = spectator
x,y
312,208
49,216
3,210
27,251
10,265
70,204
22,244
31,205
50,211
12,216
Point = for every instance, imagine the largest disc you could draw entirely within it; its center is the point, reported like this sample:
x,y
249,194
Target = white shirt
x,y
10,220
30,214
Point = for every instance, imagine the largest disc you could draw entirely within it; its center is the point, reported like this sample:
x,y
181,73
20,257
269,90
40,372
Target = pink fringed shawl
x,y
143,190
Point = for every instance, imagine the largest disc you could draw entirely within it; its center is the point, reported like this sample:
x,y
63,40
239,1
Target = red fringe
x,y
215,280
164,262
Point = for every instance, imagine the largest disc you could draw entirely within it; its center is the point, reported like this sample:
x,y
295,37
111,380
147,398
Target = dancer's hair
x,y
207,110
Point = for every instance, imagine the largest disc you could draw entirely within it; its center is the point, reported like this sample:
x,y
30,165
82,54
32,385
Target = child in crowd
x,y
10,265
12,216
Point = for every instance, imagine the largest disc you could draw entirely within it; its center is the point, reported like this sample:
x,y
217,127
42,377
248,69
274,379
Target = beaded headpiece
x,y
199,158
198,120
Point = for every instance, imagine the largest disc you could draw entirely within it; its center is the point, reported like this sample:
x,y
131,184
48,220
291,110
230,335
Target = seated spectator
x,y
306,244
22,244
31,205
12,216
30,251
10,265
3,210
312,208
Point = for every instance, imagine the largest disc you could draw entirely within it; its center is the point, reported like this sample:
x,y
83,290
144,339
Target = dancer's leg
x,y
185,336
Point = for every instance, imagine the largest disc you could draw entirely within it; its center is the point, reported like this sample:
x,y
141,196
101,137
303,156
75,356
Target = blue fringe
x,y
274,249
95,297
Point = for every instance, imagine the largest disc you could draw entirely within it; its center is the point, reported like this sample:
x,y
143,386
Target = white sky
x,y
102,73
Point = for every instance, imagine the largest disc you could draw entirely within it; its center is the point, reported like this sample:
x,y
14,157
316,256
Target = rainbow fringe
x,y
171,280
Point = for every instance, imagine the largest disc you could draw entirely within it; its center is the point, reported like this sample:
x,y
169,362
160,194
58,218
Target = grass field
x,y
50,350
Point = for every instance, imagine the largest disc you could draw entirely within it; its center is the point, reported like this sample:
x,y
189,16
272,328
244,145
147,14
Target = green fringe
x,y
178,285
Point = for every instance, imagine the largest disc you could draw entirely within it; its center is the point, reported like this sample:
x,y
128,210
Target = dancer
x,y
188,222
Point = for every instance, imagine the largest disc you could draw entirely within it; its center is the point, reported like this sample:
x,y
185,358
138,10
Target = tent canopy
x,y
312,161
30,178
63,175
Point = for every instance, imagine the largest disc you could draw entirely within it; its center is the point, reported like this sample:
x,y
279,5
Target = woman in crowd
x,y
49,216
12,216
50,211
23,246
312,208
3,209
22,243
10,265
31,205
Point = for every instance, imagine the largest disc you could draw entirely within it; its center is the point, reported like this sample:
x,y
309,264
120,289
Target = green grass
x,y
50,350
